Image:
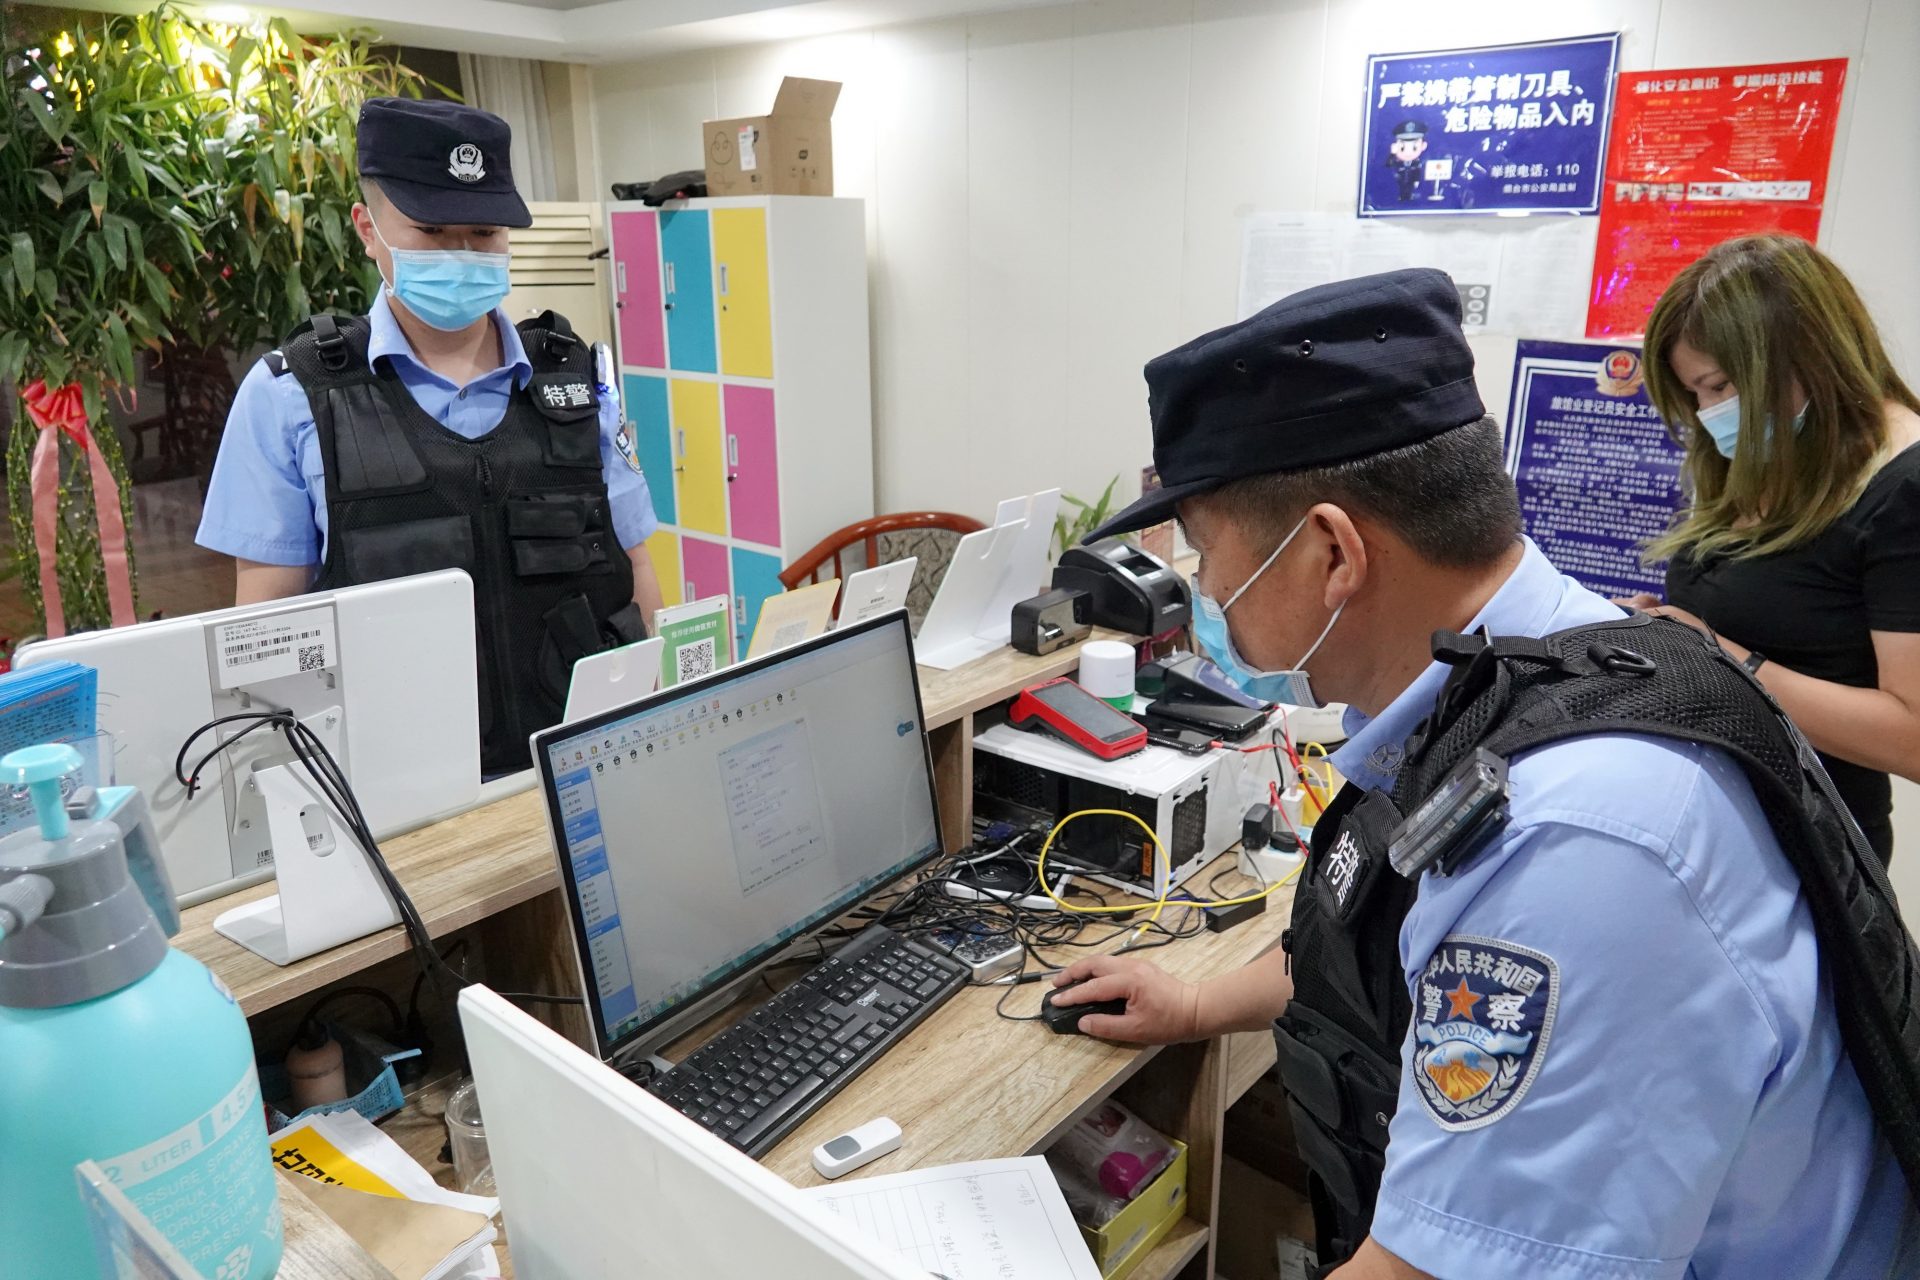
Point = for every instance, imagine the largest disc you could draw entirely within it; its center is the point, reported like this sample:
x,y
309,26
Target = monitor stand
x,y
329,890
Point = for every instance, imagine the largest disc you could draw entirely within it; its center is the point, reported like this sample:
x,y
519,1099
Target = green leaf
x,y
49,186
97,199
42,112
117,242
97,259
157,288
13,357
70,233
243,48
120,348
46,284
23,262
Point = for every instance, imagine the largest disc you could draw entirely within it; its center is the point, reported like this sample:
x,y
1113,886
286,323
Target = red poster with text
x,y
1698,157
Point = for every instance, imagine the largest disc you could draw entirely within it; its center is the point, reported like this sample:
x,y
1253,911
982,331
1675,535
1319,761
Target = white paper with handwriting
x,y
988,1220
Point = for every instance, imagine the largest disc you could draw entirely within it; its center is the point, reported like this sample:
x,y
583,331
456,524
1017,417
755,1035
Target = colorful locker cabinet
x,y
744,373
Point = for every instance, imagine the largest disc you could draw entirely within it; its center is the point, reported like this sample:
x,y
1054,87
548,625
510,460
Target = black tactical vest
x,y
523,509
1341,1037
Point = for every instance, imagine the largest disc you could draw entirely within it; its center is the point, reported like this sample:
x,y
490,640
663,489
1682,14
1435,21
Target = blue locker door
x,y
686,247
756,576
652,428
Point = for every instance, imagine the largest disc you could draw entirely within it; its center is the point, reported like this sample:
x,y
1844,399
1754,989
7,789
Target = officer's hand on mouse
x,y
1161,1009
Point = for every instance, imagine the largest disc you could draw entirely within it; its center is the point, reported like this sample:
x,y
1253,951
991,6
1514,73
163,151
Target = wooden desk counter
x,y
471,868
967,1084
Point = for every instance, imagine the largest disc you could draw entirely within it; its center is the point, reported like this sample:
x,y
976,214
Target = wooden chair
x,y
829,557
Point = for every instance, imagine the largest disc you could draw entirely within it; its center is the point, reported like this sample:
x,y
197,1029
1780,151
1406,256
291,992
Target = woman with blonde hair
x,y
1800,549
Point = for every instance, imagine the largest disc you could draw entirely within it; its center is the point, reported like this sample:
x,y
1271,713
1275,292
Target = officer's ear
x,y
1342,546
363,226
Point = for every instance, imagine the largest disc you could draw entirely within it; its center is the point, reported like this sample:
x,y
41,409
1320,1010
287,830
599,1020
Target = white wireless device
x,y
856,1147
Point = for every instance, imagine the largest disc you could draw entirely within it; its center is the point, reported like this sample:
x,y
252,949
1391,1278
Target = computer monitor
x,y
701,828
383,673
600,1181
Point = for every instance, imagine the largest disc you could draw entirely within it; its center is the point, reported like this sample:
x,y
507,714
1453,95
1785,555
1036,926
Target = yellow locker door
x,y
746,310
700,458
664,547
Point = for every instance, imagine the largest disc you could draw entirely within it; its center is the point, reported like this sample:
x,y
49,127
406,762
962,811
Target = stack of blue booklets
x,y
51,702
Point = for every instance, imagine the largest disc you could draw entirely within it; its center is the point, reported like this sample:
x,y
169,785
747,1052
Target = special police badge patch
x,y
1484,1016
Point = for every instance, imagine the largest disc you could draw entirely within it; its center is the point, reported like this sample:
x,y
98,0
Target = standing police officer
x,y
1602,1041
434,434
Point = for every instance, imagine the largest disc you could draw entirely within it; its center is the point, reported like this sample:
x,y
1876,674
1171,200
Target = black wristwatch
x,y
1755,660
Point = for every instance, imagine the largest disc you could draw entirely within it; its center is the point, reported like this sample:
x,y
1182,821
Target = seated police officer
x,y
1602,1041
434,434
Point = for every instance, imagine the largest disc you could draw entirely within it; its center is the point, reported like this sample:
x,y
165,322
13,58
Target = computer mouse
x,y
1064,1020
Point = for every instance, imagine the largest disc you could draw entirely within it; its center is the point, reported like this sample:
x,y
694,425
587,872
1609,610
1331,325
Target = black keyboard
x,y
755,1082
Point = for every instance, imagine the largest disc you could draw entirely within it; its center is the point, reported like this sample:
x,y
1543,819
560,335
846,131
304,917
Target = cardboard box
x,y
787,152
1259,1132
1130,1236
1257,1215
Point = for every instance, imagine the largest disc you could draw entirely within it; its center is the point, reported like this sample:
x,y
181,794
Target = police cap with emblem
x,y
441,162
1327,375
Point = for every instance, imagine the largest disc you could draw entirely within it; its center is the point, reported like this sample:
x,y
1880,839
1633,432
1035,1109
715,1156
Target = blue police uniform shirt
x,y
267,499
1624,1060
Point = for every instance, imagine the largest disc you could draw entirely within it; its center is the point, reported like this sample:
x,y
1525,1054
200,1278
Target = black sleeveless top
x,y
1811,608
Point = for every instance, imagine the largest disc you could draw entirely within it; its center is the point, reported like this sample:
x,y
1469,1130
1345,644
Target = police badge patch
x,y
1485,1014
467,162
623,441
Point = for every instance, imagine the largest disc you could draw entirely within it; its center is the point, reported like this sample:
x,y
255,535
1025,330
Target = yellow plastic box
x,y
1130,1236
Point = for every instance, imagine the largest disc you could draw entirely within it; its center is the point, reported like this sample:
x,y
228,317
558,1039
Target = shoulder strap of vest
x,y
1658,677
552,346
363,448
328,349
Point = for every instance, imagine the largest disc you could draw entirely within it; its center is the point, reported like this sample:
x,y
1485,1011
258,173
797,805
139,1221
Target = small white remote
x,y
856,1147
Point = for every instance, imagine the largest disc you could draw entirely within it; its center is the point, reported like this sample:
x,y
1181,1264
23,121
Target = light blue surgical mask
x,y
1215,638
1722,422
447,288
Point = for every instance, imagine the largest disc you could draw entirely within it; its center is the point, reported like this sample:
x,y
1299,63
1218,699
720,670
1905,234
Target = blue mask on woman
x,y
1215,638
1722,422
447,288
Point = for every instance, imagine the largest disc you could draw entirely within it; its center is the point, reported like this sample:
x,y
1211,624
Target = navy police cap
x,y
1324,376
441,162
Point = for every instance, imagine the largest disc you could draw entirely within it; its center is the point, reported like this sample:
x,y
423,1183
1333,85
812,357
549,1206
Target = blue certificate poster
x,y
1598,475
1516,128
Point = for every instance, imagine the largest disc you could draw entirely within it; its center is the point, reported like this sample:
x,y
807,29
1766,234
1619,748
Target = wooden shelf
x,y
1181,1246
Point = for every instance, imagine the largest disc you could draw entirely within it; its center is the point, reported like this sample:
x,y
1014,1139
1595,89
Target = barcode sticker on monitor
x,y
256,649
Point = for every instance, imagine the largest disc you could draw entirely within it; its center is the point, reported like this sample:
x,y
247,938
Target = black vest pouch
x,y
571,406
379,552
572,632
560,534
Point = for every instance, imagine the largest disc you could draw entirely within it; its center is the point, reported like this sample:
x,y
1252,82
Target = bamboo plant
x,y
164,182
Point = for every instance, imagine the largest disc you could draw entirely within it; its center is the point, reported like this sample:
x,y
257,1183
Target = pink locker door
x,y
704,566
636,288
753,472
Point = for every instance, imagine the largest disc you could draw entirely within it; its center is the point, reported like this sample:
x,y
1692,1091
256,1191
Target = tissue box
x,y
1124,1242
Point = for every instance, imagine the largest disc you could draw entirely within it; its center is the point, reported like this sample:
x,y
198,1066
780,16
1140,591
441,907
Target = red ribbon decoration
x,y
65,411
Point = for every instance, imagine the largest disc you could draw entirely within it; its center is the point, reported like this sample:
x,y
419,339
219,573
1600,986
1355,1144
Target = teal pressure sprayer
x,y
116,1048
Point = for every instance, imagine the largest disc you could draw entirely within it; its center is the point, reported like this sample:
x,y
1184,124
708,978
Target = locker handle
x,y
740,611
686,590
672,287
620,277
680,442
723,279
733,450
